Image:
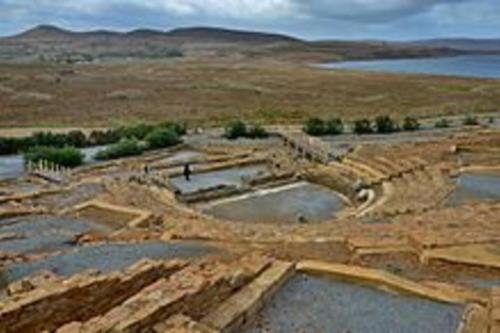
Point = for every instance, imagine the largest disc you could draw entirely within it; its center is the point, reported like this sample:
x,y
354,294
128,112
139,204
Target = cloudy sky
x,y
314,19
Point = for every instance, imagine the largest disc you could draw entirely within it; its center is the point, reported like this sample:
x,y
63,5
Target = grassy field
x,y
204,93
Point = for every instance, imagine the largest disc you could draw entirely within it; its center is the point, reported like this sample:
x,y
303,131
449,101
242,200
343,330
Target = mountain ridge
x,y
56,44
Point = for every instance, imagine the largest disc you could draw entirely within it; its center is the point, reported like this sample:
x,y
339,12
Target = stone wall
x,y
79,298
192,292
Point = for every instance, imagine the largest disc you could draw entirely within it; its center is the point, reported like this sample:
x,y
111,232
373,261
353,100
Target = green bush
x,y
73,138
162,138
104,137
44,139
411,124
315,127
235,129
124,148
138,131
180,129
334,126
442,123
385,125
363,126
66,156
471,121
76,139
9,146
257,131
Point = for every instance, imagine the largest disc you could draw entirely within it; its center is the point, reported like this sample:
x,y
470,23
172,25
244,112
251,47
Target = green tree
x,y
236,129
385,125
180,129
257,131
334,126
162,138
315,127
363,126
411,124
66,156
471,121
442,123
124,148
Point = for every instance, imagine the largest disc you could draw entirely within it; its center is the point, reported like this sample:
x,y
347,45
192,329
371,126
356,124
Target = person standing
x,y
187,172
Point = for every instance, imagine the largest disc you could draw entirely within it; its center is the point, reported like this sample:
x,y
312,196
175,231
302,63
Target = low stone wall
x,y
11,213
79,298
209,194
32,195
473,255
494,311
383,279
192,292
475,320
221,166
324,176
142,217
242,307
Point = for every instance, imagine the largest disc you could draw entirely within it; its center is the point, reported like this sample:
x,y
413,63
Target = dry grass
x,y
212,93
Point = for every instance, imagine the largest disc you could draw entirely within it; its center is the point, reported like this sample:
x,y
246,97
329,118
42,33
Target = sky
x,y
310,19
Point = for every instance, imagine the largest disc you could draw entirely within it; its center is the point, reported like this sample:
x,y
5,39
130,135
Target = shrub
x,y
442,123
471,121
43,139
49,139
138,131
162,138
66,156
76,139
257,132
180,129
334,126
104,137
125,147
363,126
385,124
10,146
315,127
235,129
411,124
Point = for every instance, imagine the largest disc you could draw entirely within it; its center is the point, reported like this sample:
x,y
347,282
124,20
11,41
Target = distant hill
x,y
187,35
464,44
44,32
229,36
53,44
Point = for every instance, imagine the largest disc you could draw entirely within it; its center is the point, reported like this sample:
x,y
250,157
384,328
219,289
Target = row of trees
x,y
63,149
381,124
66,156
15,145
239,129
79,139
161,137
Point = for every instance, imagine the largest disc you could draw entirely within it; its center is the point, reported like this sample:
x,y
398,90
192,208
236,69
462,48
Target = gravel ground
x,y
232,176
310,304
312,202
478,187
42,233
105,258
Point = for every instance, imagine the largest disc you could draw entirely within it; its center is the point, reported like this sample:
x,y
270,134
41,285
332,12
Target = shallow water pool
x,y
313,304
105,258
228,177
42,233
476,187
299,202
